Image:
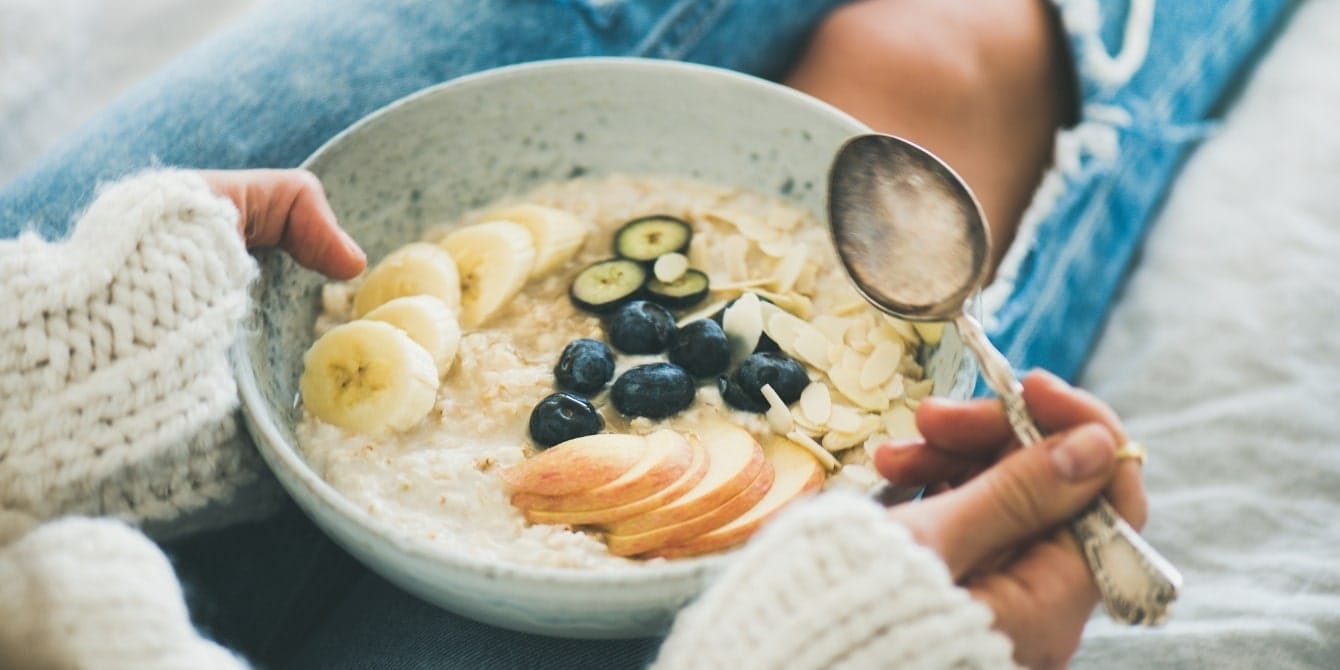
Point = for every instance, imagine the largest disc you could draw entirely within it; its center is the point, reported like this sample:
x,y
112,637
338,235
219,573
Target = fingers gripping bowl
x,y
445,154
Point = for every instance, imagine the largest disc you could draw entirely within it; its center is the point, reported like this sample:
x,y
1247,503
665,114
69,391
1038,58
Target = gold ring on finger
x,y
1132,451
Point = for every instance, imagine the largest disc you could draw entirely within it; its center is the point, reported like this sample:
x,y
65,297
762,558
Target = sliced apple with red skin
x,y
797,473
657,538
694,474
667,457
580,464
734,461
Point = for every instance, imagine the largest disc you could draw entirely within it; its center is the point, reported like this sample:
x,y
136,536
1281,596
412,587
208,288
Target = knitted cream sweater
x,y
116,397
115,400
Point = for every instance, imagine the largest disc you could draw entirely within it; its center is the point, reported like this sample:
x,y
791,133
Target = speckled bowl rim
x,y
283,457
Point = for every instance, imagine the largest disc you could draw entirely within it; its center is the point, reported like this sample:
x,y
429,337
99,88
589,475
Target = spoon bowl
x,y
914,241
880,190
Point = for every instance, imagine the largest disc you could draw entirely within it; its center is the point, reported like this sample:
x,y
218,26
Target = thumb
x,y
1022,496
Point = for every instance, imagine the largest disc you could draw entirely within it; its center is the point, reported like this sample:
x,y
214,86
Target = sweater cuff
x,y
832,582
83,593
117,395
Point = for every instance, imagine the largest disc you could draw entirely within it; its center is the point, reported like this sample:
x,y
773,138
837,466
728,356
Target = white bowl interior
x,y
434,155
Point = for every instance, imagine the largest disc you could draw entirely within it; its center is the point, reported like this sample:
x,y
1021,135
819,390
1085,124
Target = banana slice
x,y
428,321
557,235
418,268
368,377
494,259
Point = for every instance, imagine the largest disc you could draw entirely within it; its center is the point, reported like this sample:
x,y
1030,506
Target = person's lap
x,y
285,79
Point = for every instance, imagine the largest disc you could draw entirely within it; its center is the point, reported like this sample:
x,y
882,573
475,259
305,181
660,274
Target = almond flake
x,y
699,257
792,302
858,338
724,217
900,422
703,313
788,269
783,328
838,440
779,417
919,389
777,248
808,278
851,307
807,426
852,361
671,266
836,351
768,310
743,325
872,444
833,327
856,477
783,219
904,329
734,250
814,448
856,456
844,418
894,388
848,383
740,286
816,403
910,367
881,365
812,347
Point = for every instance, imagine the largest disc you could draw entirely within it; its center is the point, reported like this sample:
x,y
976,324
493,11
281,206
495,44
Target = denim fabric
x,y
292,74
1055,288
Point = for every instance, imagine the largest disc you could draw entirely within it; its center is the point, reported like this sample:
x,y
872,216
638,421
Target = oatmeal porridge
x,y
456,449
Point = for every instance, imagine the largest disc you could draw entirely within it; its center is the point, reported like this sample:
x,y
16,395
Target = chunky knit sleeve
x,y
832,583
115,391
92,593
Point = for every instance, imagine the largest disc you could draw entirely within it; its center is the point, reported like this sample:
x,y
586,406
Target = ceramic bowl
x,y
433,155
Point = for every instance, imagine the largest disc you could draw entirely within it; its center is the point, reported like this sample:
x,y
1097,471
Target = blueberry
x,y
701,348
787,377
562,417
585,366
735,396
640,327
654,390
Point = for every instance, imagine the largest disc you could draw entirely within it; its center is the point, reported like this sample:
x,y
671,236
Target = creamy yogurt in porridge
x,y
439,479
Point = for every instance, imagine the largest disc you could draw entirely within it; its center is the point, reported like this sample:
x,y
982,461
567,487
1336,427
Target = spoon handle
x,y
1138,584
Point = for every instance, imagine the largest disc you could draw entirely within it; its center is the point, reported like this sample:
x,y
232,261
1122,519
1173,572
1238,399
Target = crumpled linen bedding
x,y
1223,354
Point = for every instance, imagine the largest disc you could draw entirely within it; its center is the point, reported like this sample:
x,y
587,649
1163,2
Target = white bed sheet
x,y
1223,354
1224,358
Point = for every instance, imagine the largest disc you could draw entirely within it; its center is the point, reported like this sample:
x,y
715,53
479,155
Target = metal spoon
x,y
914,241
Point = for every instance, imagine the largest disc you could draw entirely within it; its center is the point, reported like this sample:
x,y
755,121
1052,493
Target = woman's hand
x,y
288,208
997,511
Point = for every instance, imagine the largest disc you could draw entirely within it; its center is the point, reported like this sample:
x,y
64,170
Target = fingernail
x,y
1083,452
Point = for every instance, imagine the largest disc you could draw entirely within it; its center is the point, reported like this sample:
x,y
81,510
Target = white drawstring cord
x,y
1096,137
1084,20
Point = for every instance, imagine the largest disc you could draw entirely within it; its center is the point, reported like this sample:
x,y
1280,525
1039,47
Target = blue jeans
x,y
289,76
